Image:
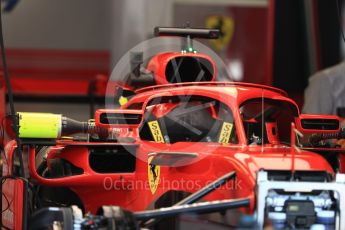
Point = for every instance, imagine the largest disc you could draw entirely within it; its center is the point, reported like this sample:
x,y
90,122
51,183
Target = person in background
x,y
9,5
325,93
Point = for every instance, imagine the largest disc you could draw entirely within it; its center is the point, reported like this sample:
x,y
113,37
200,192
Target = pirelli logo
x,y
225,133
156,131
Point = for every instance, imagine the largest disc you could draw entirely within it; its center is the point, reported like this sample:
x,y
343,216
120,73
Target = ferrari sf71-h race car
x,y
207,154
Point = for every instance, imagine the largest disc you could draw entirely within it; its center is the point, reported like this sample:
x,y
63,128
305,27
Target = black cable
x,y
5,69
3,179
13,115
8,204
10,93
340,21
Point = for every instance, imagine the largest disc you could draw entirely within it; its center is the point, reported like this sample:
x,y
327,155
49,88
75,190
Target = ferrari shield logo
x,y
226,25
154,172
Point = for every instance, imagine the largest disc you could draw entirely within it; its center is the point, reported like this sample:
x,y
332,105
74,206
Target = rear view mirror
x,y
310,123
118,118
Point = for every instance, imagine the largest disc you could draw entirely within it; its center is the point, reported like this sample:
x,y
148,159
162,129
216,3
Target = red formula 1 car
x,y
229,146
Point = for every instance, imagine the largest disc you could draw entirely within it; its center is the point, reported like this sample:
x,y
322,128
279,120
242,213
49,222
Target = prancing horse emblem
x,y
154,172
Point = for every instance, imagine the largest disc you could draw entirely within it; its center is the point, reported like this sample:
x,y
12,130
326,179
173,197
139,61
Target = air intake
x,y
112,159
320,124
189,69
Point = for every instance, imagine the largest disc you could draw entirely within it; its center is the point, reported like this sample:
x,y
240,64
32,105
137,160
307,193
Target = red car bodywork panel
x,y
214,160
132,191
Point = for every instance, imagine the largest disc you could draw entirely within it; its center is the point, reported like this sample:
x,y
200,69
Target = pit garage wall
x,y
58,24
57,39
72,41
116,26
57,47
247,54
307,39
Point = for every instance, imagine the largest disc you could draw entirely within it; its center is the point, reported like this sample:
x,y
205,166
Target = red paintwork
x,y
131,190
73,154
215,160
158,64
214,83
316,116
272,132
